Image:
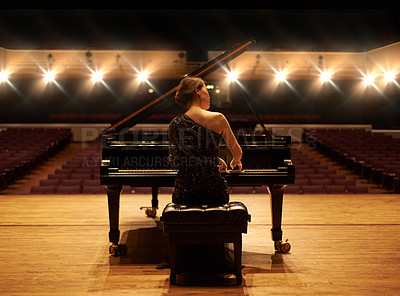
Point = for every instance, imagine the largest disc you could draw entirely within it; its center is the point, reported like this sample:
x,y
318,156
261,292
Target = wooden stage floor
x,y
341,245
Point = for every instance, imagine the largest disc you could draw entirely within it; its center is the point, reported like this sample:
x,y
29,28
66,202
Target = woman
x,y
194,139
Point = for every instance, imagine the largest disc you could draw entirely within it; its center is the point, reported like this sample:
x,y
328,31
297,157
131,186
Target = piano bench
x,y
205,224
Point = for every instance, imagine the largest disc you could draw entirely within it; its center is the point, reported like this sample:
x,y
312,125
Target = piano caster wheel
x,y
282,247
150,211
118,250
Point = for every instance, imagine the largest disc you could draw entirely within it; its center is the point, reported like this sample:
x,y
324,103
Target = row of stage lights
x,y
325,77
50,76
280,76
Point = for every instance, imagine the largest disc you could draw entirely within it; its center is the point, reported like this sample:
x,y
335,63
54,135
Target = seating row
x,y
325,189
78,175
372,156
24,149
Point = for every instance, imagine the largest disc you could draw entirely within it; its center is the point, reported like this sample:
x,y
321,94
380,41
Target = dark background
x,y
279,25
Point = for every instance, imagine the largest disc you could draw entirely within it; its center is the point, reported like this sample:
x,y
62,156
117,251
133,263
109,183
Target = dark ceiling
x,y
300,25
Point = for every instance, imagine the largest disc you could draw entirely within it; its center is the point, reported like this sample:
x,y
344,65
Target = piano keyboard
x,y
121,171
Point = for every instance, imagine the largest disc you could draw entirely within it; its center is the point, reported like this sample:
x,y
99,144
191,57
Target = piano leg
x,y
154,194
276,192
113,194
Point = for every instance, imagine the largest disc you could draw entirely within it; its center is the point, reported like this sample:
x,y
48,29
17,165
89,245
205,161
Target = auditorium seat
x,y
88,189
344,182
51,182
260,190
241,190
313,189
357,189
58,176
126,190
85,176
302,182
335,189
293,189
141,190
166,190
321,182
68,189
91,182
48,189
70,182
336,176
316,176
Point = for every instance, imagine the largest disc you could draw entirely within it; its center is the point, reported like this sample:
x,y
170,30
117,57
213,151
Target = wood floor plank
x,y
341,245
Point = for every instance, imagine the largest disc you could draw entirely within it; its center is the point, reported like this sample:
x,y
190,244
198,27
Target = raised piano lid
x,y
167,99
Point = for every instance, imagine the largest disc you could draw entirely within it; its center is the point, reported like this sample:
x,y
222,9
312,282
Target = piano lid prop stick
x,y
252,110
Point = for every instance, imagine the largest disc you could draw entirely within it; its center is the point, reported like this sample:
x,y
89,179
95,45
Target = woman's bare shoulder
x,y
216,121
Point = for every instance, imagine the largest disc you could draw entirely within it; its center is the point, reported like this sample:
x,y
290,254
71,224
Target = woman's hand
x,y
223,167
235,163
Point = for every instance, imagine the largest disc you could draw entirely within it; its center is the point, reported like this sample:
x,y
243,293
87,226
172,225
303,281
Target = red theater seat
x,y
313,189
43,189
68,189
335,189
293,189
94,190
357,189
51,182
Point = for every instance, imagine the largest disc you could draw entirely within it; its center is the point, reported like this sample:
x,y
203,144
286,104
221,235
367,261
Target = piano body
x,y
141,160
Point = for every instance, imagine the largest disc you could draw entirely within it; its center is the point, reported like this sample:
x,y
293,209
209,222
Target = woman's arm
x,y
231,142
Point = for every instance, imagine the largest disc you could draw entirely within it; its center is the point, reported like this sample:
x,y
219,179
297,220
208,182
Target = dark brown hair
x,y
186,88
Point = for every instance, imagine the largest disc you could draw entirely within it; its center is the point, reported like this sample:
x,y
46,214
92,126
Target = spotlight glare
x,y
369,79
97,76
232,76
390,76
326,76
49,76
281,76
142,76
4,76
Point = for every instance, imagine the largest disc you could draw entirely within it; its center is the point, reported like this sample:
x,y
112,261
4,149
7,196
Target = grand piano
x,y
140,159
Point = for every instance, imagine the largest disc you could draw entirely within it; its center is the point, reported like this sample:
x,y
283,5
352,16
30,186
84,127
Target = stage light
x,y
97,76
4,76
232,76
390,76
369,79
49,76
326,76
142,76
281,76
150,90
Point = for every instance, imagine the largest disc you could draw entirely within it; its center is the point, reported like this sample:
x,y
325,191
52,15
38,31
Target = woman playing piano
x,y
194,139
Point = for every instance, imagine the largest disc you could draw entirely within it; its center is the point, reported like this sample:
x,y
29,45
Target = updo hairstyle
x,y
186,88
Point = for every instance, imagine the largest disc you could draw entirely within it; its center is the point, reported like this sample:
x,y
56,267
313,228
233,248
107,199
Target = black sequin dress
x,y
194,152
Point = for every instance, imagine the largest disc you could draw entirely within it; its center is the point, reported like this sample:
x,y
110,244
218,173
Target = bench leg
x,y
172,259
238,259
